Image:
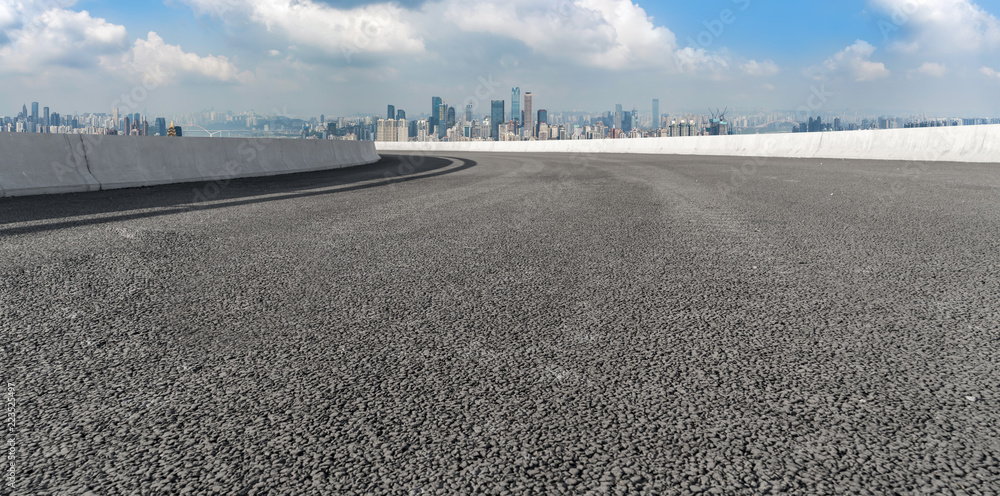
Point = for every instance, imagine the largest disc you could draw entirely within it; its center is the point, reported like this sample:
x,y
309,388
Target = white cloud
x,y
853,62
165,63
8,14
932,69
765,68
990,73
939,25
610,34
375,28
690,60
56,37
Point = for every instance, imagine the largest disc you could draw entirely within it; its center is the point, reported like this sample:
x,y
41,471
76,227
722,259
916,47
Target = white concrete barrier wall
x,y
63,163
946,144
33,164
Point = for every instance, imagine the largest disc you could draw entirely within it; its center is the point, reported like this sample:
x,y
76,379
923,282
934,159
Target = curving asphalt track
x,y
511,324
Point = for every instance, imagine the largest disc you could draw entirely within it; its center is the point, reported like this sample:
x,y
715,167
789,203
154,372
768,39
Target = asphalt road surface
x,y
511,324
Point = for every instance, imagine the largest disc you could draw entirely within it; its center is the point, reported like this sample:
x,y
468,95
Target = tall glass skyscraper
x,y
496,117
435,108
442,120
515,104
161,126
529,124
656,113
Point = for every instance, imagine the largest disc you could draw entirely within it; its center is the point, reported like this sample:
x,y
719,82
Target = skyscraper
x,y
515,104
468,113
34,117
160,126
656,113
391,112
496,117
435,105
529,124
442,120
451,117
617,122
543,118
46,122
400,115
114,115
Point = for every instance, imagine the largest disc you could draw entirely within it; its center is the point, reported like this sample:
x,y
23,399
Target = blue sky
x,y
305,57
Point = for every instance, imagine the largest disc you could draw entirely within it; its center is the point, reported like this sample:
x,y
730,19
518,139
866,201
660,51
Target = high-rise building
x,y
392,112
515,104
174,131
435,105
400,114
386,130
160,126
496,117
451,117
468,113
423,131
34,117
114,117
402,131
616,123
529,125
45,120
656,113
442,120
633,120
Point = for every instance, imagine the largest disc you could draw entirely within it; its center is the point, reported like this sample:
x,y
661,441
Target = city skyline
x,y
939,57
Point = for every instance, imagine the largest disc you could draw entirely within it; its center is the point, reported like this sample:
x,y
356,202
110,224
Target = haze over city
x,y
934,57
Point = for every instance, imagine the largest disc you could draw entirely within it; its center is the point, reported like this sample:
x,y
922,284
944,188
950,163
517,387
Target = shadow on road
x,y
178,198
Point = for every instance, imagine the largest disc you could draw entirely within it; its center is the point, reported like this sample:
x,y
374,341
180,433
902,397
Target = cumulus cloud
x,y
691,60
853,62
166,63
765,68
55,37
932,69
938,25
990,73
377,28
610,34
8,14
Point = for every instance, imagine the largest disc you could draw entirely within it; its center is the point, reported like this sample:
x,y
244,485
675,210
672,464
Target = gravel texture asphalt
x,y
511,324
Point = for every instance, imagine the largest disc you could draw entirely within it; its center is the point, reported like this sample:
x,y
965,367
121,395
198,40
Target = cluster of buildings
x,y
46,122
516,119
524,122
